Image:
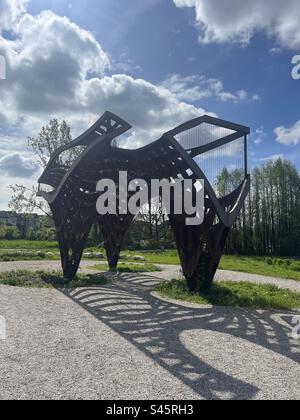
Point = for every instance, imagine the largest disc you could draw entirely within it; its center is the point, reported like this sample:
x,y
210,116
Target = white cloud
x,y
146,106
195,88
288,136
17,166
57,69
275,51
10,11
259,135
274,158
238,21
47,62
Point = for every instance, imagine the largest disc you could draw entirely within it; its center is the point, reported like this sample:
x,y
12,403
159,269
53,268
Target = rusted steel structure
x,y
180,153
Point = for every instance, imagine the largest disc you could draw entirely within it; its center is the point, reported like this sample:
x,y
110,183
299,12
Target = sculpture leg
x,y
71,250
200,249
113,230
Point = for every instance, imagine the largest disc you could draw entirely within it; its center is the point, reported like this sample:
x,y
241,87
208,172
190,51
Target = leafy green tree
x,y
270,221
53,136
12,233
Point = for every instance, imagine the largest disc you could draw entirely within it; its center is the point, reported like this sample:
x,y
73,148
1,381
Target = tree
x,y
9,232
52,137
270,221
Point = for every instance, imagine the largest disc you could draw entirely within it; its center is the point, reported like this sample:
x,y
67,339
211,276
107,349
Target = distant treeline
x,y
270,221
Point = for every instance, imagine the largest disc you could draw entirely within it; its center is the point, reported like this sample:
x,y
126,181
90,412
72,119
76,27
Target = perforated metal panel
x,y
229,157
201,135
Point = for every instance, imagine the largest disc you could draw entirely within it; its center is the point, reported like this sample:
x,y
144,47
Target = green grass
x,y
18,250
241,295
28,245
265,266
169,257
22,255
42,279
129,268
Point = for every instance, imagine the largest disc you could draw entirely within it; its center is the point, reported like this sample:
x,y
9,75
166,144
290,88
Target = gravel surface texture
x,y
122,342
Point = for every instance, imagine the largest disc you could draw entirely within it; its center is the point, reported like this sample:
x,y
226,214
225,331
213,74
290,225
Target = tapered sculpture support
x,y
71,254
201,247
113,229
200,250
73,223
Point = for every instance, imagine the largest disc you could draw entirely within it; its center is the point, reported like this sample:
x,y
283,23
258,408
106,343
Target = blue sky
x,y
180,61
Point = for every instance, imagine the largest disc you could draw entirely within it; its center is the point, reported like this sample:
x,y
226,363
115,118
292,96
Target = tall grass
x,y
234,294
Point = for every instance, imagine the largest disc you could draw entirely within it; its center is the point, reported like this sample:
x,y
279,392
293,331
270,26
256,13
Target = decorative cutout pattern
x,y
74,196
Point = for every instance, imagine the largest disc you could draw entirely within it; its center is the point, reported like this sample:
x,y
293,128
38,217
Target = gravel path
x,y
169,272
121,342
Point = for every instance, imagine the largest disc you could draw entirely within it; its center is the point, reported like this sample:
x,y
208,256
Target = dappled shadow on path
x,y
156,327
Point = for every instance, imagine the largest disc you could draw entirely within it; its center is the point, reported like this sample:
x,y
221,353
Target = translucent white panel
x,y
68,157
45,188
224,167
202,135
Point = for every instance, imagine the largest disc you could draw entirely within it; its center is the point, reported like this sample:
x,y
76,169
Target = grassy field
x,y
241,295
129,268
28,245
267,266
17,250
41,279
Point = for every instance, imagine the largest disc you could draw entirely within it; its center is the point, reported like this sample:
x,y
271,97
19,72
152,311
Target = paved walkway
x,y
169,272
121,342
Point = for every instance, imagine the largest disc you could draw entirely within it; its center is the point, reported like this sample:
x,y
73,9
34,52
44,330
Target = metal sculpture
x,y
177,154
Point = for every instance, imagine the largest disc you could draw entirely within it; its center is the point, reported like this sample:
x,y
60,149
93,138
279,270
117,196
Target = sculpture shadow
x,y
154,327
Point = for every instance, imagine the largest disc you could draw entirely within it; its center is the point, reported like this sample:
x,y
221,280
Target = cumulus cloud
x,y
195,88
10,11
288,136
238,21
47,63
56,68
17,166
